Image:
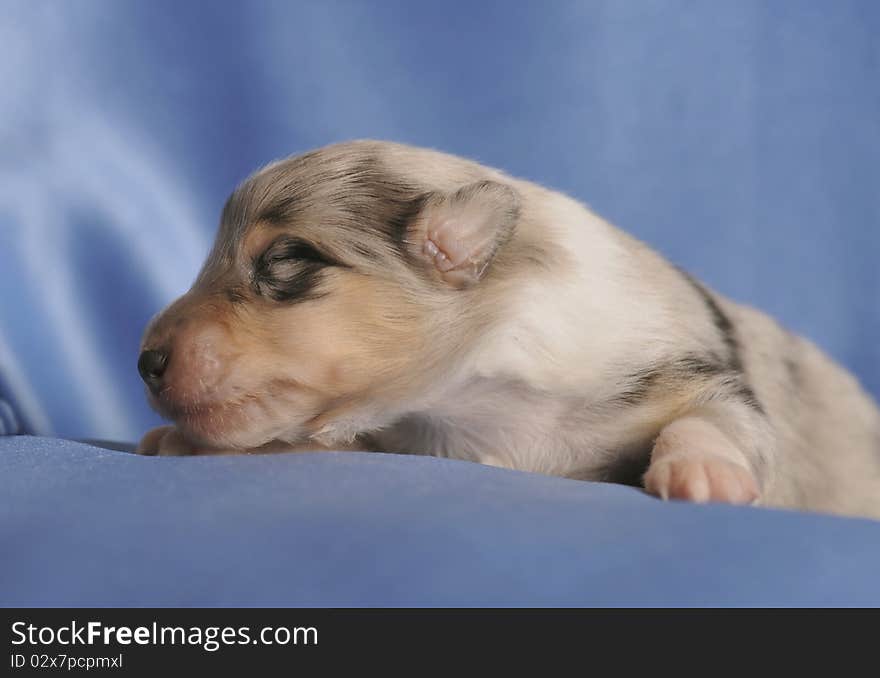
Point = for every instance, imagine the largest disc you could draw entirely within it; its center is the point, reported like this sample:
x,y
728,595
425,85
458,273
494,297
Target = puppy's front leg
x,y
151,443
696,458
167,441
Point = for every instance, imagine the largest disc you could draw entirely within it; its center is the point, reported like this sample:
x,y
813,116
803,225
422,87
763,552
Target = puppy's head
x,y
341,284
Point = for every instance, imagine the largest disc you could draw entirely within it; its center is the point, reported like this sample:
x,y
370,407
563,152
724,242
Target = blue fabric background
x,y
741,138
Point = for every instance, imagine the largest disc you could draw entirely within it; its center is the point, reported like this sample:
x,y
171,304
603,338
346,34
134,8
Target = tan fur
x,y
468,314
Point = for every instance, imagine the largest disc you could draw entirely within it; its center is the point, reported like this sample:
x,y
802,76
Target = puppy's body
x,y
422,303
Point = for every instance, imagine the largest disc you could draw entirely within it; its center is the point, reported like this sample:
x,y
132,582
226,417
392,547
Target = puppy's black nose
x,y
152,366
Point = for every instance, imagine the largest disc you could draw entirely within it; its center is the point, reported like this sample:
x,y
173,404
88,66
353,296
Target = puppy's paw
x,y
166,441
149,444
701,478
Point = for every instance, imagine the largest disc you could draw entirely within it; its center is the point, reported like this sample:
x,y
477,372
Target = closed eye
x,y
290,270
288,249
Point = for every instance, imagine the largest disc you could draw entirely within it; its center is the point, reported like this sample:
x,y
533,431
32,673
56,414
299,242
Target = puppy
x,y
377,296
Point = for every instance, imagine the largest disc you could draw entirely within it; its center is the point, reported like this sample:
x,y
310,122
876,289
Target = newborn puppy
x,y
377,296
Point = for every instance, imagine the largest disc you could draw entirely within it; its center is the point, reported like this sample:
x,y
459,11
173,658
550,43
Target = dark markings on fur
x,y
637,387
289,270
285,197
709,365
283,193
277,213
745,393
720,318
640,385
401,217
727,331
384,201
362,195
682,373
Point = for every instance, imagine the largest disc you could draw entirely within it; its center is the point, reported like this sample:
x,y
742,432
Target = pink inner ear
x,y
446,251
452,245
441,260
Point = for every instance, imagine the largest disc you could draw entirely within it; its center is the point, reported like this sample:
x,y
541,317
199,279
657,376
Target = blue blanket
x,y
81,525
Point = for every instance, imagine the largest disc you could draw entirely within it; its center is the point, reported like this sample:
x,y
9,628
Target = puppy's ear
x,y
459,234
